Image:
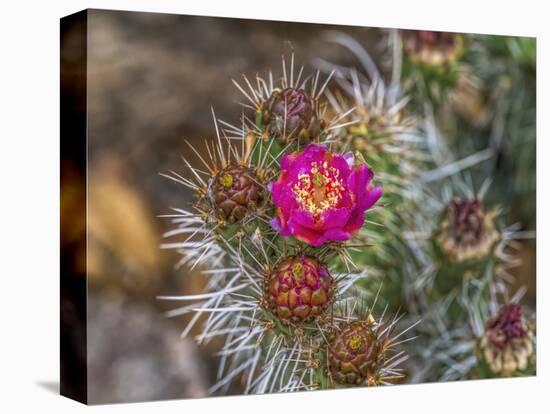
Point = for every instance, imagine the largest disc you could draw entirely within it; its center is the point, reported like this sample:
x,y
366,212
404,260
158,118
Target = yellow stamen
x,y
320,189
355,342
226,180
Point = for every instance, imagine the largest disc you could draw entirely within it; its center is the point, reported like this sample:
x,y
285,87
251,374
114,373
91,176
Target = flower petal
x,y
338,222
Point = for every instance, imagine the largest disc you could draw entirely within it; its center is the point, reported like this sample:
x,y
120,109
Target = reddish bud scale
x,y
299,289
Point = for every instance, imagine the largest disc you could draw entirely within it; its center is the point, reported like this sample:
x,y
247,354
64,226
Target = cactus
x,y
324,199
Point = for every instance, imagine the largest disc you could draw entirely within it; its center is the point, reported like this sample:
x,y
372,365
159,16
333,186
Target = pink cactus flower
x,y
322,197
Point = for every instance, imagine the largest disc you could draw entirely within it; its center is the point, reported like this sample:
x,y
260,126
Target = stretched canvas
x,y
254,207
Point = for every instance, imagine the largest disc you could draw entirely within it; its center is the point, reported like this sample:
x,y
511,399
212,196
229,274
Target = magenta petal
x,y
359,179
288,160
336,235
342,166
335,218
280,226
315,151
280,195
355,222
350,158
372,197
304,234
275,224
305,219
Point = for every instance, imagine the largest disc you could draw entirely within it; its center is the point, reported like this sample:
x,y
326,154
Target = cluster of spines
x,y
273,303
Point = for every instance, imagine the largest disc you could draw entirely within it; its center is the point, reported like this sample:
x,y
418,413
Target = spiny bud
x,y
290,114
356,354
432,48
467,230
507,344
299,288
234,192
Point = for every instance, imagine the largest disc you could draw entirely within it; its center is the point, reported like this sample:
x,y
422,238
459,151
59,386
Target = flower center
x,y
320,189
